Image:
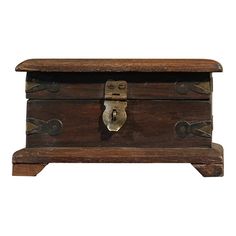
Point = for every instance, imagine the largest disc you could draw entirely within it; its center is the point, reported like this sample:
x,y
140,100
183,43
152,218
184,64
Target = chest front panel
x,y
162,109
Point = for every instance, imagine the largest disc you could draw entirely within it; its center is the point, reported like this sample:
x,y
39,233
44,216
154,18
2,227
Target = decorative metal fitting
x,y
202,129
114,115
51,127
197,87
33,86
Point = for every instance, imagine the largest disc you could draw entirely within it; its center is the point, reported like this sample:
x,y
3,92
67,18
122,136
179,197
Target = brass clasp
x,y
114,115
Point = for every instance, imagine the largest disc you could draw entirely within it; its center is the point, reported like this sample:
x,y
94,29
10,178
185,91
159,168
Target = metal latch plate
x,y
116,90
114,115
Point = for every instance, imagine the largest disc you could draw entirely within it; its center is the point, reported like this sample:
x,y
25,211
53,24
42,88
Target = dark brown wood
x,y
27,169
211,155
167,102
207,160
140,85
210,170
120,65
150,123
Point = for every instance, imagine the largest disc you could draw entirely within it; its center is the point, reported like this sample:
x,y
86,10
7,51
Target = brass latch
x,y
115,104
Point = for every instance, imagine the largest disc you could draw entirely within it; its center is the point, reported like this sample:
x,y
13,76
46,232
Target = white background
x,y
116,199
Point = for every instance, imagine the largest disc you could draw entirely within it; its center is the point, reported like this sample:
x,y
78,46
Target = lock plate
x,y
114,115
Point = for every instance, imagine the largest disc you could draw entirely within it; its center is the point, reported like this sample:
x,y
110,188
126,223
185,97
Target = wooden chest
x,y
119,110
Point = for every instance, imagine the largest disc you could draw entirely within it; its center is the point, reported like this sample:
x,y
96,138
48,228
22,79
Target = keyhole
x,y
113,115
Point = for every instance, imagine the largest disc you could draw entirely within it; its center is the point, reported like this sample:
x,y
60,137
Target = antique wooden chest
x,y
119,110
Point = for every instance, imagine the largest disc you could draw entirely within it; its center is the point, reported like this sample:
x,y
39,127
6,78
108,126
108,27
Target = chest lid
x,y
146,78
119,65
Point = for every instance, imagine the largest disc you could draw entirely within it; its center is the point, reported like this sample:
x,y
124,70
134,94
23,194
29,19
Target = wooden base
x,y
30,161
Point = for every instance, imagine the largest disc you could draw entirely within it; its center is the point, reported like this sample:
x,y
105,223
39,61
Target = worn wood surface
x,y
120,155
150,123
210,170
140,85
27,169
120,65
161,93
30,161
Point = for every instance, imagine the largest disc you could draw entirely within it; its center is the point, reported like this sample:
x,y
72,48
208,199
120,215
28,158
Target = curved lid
x,y
120,65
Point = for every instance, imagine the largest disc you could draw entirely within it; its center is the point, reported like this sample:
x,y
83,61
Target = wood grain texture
x,y
150,123
140,85
27,169
194,155
169,117
30,161
210,170
120,65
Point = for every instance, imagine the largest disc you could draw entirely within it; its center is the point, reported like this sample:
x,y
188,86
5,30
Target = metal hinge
x,y
114,115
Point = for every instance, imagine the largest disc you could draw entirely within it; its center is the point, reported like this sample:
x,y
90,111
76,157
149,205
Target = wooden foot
x,y
27,169
210,170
